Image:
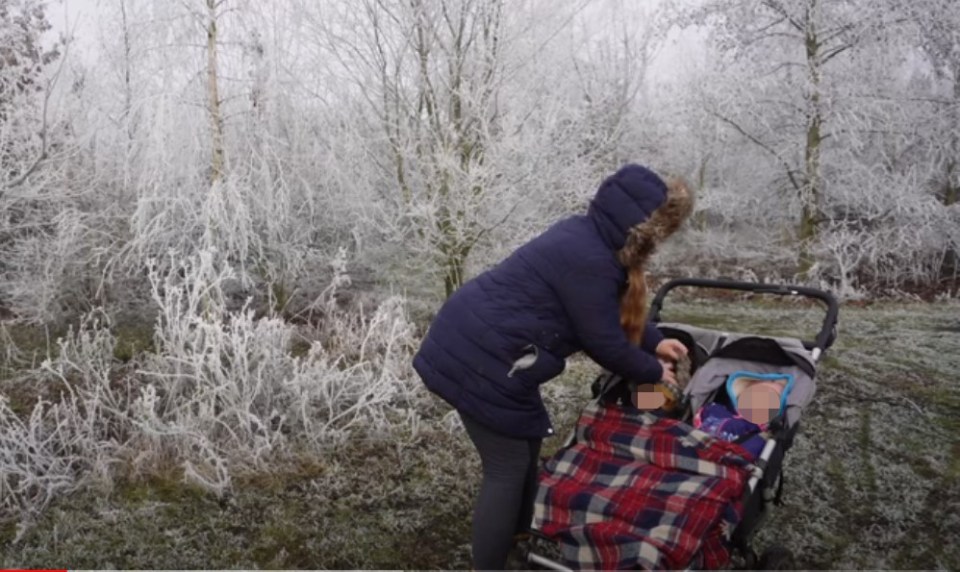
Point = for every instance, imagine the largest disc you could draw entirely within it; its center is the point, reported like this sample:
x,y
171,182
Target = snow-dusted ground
x,y
873,480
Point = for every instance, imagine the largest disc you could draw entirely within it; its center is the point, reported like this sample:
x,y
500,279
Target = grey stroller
x,y
715,356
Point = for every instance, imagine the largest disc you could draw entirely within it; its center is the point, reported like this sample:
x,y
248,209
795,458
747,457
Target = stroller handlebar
x,y
828,331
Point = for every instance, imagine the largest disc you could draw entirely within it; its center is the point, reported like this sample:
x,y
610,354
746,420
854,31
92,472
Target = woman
x,y
510,329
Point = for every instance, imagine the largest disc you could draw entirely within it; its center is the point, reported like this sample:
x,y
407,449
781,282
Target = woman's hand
x,y
671,350
669,375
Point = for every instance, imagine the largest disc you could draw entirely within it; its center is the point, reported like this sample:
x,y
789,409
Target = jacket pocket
x,y
536,366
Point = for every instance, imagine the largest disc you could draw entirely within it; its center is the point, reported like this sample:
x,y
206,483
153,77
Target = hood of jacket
x,y
624,200
644,238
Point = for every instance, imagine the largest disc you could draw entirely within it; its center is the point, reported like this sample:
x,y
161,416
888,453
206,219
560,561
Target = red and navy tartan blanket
x,y
638,490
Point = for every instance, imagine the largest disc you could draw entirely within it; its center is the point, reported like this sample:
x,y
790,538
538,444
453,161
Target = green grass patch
x,y
133,340
868,475
169,488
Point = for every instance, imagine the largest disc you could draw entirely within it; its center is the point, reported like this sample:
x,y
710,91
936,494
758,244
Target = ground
x,y
872,482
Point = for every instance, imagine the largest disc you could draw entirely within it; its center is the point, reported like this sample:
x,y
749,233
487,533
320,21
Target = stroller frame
x,y
765,485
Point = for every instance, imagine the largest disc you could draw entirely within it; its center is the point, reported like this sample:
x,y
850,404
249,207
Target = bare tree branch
x,y
778,7
790,171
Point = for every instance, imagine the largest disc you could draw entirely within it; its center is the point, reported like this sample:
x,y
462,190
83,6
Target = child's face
x,y
760,402
648,398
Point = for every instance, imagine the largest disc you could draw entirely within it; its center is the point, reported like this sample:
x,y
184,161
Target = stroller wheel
x,y
748,560
518,557
776,557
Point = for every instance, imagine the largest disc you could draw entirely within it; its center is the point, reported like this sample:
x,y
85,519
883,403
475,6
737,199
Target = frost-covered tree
x,y
24,59
481,121
787,91
30,198
938,30
431,72
937,25
610,66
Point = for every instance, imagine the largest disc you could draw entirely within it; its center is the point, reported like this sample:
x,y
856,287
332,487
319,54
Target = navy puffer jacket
x,y
554,296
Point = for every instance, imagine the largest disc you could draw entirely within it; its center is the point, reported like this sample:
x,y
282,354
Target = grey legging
x,y
504,506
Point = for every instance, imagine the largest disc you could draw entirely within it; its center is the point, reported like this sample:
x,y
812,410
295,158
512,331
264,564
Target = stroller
x,y
704,496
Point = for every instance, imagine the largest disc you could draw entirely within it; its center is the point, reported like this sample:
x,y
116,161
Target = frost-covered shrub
x,y
224,388
50,275
221,392
74,430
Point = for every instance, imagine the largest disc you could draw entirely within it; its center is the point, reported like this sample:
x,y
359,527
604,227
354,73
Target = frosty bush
x,y
70,437
41,456
222,392
225,388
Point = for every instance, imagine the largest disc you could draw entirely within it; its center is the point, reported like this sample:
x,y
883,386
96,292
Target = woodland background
x,y
224,224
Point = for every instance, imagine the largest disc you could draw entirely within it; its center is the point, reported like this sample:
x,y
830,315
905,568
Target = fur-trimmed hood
x,y
644,237
634,210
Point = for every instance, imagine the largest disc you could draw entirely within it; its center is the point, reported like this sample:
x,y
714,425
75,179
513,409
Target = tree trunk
x,y
951,190
213,96
951,194
439,131
127,83
453,277
699,220
812,190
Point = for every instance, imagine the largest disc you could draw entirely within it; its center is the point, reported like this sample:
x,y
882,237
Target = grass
x,y
371,506
873,480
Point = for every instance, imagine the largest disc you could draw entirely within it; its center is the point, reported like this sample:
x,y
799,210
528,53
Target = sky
x,y
76,15
80,17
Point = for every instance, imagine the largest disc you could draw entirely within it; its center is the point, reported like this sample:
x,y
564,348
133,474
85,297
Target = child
x,y
755,400
665,395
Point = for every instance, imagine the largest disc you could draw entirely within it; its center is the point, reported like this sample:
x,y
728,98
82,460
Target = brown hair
x,y
633,305
641,242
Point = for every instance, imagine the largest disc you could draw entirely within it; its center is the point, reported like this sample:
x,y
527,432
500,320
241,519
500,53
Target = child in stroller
x,y
754,400
650,490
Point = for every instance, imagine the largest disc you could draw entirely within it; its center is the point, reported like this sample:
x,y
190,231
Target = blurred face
x,y
650,396
760,402
647,398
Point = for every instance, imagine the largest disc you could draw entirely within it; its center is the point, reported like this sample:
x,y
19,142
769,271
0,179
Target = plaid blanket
x,y
639,489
